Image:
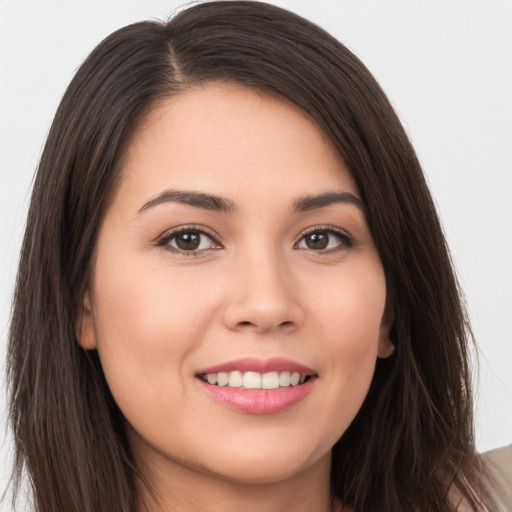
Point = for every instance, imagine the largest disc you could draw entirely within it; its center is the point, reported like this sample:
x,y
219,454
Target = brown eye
x,y
189,241
325,240
317,240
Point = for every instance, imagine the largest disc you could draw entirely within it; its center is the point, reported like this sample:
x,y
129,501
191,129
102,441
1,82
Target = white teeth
x,y
284,379
235,379
270,380
222,379
255,380
252,380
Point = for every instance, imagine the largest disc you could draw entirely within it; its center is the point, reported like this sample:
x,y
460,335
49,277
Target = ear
x,y
85,331
386,346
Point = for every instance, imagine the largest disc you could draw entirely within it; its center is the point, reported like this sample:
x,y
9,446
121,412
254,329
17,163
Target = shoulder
x,y
499,462
497,481
460,503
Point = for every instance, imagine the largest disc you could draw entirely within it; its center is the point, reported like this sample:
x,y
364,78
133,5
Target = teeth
x,y
270,380
235,379
222,379
284,379
255,380
252,380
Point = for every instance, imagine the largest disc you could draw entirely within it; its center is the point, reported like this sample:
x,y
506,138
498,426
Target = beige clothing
x,y
500,463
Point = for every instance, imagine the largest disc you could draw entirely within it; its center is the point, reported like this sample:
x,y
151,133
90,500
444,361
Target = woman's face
x,y
235,254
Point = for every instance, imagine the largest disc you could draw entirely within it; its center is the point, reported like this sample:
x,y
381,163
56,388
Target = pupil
x,y
188,241
317,240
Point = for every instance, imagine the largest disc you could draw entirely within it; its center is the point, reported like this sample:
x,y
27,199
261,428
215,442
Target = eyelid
x,y
164,239
346,240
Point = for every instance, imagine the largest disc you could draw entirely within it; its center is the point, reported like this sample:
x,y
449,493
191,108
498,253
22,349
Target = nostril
x,y
247,323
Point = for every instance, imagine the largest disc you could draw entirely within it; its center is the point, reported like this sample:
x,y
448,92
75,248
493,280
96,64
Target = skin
x,y
254,289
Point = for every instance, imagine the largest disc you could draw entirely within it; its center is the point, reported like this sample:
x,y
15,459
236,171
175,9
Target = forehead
x,y
230,140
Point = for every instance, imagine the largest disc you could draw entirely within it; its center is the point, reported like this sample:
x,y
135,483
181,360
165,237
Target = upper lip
x,y
250,364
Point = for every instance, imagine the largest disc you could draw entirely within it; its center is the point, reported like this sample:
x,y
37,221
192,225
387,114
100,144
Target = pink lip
x,y
249,364
259,401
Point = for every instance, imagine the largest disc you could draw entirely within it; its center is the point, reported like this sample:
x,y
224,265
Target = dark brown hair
x,y
412,440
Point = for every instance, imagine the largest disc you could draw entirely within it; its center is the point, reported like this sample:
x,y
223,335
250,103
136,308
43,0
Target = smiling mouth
x,y
255,380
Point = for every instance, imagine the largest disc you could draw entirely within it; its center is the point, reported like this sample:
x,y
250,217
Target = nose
x,y
263,297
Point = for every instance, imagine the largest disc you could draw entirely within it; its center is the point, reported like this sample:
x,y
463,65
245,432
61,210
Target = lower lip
x,y
259,401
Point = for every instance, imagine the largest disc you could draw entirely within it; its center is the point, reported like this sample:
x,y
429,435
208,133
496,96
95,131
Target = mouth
x,y
255,380
258,386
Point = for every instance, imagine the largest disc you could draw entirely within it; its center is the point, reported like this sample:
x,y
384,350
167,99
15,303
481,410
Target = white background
x,y
445,64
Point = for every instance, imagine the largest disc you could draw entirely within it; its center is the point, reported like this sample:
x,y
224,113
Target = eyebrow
x,y
197,199
221,204
312,202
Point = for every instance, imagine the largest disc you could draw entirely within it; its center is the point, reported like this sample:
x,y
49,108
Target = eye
x,y
188,240
323,239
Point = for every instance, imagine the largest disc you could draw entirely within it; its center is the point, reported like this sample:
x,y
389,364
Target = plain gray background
x,y
446,66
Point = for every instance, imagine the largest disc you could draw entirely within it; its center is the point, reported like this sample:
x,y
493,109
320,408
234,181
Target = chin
x,y
266,466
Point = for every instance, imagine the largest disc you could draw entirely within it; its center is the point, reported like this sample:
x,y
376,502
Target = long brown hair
x,y
412,440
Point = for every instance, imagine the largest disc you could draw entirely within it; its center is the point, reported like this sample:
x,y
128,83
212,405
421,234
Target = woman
x,y
237,287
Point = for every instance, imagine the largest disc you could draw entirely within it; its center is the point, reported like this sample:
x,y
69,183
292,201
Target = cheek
x,y
147,323
349,317
141,301
350,309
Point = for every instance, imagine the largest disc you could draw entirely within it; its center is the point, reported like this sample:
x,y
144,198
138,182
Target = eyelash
x,y
346,242
165,240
